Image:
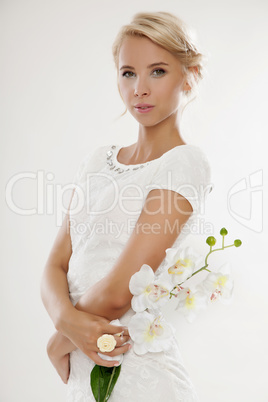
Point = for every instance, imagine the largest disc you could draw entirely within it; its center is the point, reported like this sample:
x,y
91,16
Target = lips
x,y
143,107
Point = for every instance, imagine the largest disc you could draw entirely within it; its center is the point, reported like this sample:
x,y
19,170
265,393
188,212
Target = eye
x,y
126,74
159,71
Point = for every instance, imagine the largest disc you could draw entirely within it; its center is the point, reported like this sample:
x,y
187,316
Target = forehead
x,y
142,51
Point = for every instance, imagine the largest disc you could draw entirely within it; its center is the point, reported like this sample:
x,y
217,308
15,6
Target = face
x,y
149,74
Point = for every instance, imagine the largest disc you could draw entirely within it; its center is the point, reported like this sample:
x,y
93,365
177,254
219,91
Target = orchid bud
x,y
223,232
211,241
237,243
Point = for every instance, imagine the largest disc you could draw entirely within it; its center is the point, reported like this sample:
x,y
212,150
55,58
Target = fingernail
x,y
117,364
130,346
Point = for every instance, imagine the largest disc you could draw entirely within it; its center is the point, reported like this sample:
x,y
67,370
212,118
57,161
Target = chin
x,y
145,123
145,120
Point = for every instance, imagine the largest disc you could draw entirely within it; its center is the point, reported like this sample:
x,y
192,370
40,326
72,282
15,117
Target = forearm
x,y
59,345
55,293
72,327
76,329
99,300
55,296
110,297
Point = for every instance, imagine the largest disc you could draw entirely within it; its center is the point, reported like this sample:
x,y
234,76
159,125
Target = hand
x,y
83,330
60,362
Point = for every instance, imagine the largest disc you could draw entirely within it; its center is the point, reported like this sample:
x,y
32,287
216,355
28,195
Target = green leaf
x,y
102,381
95,381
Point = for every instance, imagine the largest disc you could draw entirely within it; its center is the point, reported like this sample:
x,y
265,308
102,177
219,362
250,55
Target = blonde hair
x,y
172,34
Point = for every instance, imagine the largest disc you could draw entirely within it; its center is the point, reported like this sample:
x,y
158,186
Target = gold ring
x,y
106,343
119,334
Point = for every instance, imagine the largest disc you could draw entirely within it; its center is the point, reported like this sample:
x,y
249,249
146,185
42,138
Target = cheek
x,y
176,91
170,93
125,90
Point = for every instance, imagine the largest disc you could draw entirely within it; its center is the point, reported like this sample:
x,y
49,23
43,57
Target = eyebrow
x,y
150,65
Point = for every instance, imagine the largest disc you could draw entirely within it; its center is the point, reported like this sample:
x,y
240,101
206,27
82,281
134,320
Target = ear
x,y
194,71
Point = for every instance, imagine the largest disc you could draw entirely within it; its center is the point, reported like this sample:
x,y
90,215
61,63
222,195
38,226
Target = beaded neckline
x,y
118,167
112,162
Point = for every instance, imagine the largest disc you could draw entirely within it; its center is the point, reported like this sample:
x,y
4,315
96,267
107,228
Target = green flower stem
x,y
201,269
216,249
205,266
110,382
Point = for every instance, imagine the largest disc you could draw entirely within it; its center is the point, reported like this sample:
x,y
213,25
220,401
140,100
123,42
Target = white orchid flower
x,y
118,358
182,263
148,292
219,285
191,301
150,333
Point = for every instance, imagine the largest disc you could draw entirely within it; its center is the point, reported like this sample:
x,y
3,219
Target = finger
x,y
126,333
120,340
116,329
119,350
101,362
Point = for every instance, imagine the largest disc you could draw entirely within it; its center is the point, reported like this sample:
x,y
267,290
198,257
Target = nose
x,y
141,89
140,93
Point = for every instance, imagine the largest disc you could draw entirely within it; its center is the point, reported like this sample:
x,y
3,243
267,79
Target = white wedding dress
x,y
107,202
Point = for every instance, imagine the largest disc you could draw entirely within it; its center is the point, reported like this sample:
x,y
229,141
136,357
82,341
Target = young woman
x,y
128,206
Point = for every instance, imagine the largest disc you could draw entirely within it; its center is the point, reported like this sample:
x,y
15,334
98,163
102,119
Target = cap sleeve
x,y
185,170
80,175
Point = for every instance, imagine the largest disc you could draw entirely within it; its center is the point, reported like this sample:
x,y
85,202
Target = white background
x,y
59,99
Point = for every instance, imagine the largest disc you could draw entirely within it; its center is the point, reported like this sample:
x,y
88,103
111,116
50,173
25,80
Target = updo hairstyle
x,y
172,34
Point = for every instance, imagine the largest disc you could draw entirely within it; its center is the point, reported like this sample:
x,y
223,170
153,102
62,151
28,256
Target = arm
x,y
81,328
153,234
110,297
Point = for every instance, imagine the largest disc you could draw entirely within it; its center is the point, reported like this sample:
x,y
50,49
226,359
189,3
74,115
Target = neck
x,y
153,141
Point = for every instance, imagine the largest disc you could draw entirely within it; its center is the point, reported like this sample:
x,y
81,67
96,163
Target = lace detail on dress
x,y
99,232
152,377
